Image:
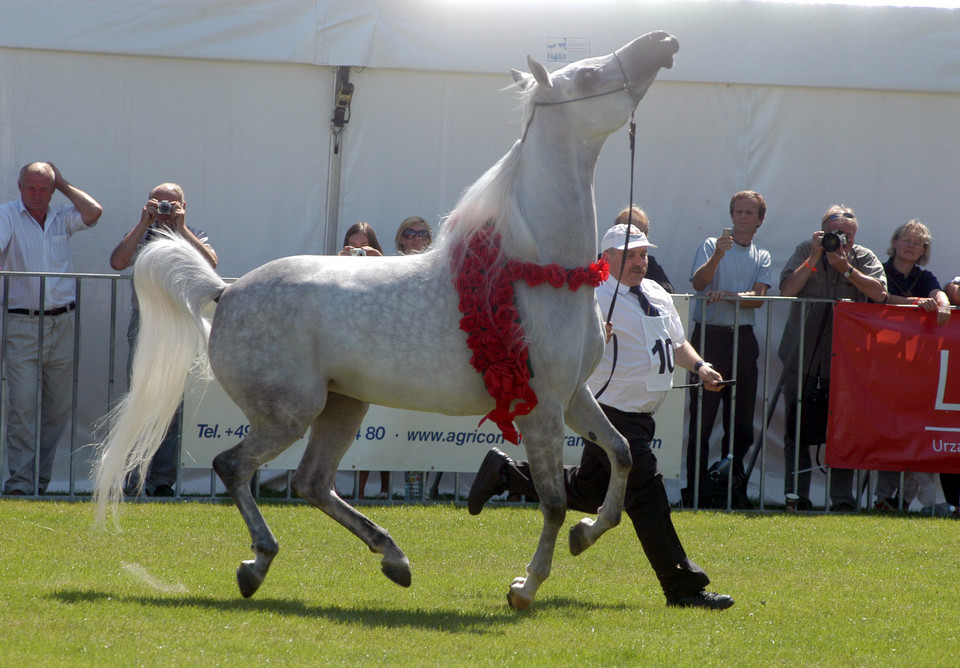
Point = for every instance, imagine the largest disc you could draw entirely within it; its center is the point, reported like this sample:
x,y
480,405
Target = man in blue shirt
x,y
725,269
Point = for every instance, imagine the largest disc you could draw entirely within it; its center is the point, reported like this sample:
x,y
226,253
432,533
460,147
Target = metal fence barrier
x,y
99,378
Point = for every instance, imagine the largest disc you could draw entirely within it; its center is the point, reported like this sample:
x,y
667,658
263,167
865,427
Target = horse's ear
x,y
539,72
522,79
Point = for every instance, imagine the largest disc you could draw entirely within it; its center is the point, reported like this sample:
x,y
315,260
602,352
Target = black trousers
x,y
646,501
718,350
950,482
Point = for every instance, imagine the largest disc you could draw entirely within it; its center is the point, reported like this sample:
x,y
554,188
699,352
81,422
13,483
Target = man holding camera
x,y
829,266
165,209
726,268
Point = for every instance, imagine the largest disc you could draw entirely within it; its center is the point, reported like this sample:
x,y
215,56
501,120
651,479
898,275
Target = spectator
x,y
165,209
413,236
635,391
33,237
637,216
908,284
829,266
950,482
361,236
726,268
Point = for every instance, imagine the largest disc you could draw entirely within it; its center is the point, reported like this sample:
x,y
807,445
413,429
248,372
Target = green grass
x,y
861,590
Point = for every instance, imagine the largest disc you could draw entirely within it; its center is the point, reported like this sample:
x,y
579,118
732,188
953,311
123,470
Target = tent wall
x,y
809,104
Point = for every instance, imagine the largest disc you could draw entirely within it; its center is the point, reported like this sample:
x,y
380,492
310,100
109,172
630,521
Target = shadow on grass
x,y
374,617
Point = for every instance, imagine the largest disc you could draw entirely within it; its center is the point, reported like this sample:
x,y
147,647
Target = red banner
x,y
894,390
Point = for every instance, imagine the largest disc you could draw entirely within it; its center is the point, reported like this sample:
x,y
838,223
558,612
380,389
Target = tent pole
x,y
343,94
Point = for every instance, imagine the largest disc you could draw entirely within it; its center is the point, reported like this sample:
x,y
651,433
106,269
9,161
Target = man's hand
x,y
724,243
711,378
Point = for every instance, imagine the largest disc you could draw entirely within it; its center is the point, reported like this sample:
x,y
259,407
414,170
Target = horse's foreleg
x,y
331,435
543,438
236,467
586,418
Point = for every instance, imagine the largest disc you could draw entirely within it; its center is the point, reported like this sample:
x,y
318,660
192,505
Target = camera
x,y
833,240
165,208
357,251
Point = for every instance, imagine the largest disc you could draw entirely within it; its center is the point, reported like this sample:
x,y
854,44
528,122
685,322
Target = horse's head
x,y
628,71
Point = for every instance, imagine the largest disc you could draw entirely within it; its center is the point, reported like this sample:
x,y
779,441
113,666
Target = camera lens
x,y
164,208
832,241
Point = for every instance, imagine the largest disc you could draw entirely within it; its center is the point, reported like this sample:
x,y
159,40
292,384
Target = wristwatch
x,y
847,273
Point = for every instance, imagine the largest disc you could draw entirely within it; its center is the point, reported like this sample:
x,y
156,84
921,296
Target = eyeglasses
x,y
412,234
845,214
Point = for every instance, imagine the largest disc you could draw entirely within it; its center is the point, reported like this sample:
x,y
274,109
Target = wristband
x,y
809,266
696,367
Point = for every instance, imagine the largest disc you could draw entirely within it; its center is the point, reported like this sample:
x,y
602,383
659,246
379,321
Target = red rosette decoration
x,y
492,322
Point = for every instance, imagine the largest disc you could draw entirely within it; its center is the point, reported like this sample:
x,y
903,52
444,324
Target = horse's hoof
x,y
248,580
578,538
398,572
518,602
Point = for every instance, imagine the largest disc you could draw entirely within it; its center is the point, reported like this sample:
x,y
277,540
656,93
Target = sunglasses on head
x,y
845,214
412,234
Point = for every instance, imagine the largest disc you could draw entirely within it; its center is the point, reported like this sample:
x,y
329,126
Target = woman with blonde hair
x,y
908,284
413,235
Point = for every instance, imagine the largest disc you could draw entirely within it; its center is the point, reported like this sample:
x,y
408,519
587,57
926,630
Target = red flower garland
x,y
492,323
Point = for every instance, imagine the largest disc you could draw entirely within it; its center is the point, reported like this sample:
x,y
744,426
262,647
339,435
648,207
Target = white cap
x,y
616,238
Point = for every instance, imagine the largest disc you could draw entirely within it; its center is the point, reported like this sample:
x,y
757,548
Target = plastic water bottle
x,y
413,485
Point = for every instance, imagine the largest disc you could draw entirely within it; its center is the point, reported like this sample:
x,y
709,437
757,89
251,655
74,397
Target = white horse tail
x,y
173,282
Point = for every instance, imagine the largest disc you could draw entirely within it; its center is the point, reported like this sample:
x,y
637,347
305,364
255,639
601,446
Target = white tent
x,y
811,104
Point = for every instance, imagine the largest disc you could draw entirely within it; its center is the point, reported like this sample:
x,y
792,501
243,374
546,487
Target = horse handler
x,y
650,337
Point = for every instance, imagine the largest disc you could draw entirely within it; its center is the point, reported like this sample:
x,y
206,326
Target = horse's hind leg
x,y
586,418
236,467
543,439
331,435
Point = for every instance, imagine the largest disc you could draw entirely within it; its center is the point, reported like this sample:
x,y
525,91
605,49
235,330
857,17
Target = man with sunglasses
x,y
848,271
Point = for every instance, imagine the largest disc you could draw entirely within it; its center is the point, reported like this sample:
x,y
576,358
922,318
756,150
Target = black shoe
x,y
703,599
488,482
163,490
15,492
843,507
888,505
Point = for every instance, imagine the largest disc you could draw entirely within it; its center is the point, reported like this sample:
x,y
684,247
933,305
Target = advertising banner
x,y
894,390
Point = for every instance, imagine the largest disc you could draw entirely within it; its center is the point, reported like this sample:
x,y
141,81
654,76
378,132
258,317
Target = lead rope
x,y
616,292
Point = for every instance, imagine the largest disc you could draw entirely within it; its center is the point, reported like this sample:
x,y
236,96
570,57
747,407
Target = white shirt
x,y
25,246
645,349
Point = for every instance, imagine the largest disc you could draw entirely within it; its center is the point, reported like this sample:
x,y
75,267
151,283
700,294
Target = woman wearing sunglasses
x,y
413,235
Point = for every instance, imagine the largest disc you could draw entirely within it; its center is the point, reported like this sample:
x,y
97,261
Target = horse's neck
x,y
556,185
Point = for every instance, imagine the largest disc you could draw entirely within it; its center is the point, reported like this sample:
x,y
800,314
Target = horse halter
x,y
625,88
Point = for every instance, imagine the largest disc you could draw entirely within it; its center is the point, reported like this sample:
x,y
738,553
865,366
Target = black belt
x,y
729,328
54,311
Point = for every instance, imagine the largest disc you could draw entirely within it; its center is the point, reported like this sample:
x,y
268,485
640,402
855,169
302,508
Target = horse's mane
x,y
492,202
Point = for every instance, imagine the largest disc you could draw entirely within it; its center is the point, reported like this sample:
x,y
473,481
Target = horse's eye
x,y
587,77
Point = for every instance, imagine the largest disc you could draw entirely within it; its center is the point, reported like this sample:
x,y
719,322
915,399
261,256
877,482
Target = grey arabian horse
x,y
308,342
